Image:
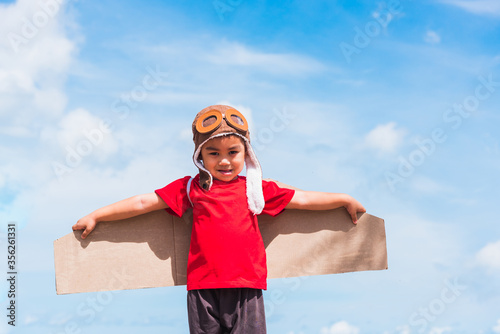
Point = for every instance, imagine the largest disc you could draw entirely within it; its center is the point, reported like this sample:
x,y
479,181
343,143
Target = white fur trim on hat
x,y
255,195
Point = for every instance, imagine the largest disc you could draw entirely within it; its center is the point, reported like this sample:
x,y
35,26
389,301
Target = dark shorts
x,y
226,311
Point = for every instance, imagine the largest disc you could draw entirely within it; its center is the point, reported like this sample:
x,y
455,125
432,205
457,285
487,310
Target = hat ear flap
x,y
255,195
205,180
205,176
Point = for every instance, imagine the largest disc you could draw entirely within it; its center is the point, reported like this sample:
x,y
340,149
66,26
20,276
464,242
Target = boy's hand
x,y
314,200
353,207
87,224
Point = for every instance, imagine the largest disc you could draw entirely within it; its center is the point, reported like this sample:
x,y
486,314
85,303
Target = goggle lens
x,y
209,121
237,120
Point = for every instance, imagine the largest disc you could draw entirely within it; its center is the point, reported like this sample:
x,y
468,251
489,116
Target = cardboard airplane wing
x,y
151,250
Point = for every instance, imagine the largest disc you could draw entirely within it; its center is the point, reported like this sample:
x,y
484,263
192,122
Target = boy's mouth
x,y
225,171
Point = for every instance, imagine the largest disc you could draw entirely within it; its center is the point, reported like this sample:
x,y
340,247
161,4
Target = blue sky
x,y
394,102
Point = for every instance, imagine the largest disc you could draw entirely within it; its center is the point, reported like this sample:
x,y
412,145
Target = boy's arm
x,y
314,200
126,208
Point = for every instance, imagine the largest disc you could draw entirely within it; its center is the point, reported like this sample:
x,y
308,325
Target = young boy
x,y
226,270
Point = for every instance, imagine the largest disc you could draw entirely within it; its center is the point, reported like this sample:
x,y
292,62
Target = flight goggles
x,y
211,121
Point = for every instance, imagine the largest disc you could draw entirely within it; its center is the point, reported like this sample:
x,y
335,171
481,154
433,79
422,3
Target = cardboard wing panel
x,y
151,250
182,238
304,243
129,254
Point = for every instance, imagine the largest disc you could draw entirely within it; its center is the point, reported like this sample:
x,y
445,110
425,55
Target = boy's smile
x,y
224,157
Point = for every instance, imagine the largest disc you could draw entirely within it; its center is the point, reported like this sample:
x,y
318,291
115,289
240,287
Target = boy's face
x,y
224,157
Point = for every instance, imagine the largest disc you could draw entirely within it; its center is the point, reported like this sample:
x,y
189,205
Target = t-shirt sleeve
x,y
276,198
175,195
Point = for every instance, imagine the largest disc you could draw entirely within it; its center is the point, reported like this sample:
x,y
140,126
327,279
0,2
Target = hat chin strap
x,y
255,196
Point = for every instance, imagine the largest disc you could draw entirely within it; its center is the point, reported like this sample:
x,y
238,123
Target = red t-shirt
x,y
226,249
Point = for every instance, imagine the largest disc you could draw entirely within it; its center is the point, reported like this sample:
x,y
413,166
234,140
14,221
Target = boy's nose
x,y
224,161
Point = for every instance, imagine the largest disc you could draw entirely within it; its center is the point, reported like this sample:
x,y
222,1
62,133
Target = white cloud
x,y
211,68
35,56
385,138
80,125
236,54
60,319
496,329
31,319
385,16
78,138
440,330
403,329
15,131
341,327
479,7
432,37
489,256
226,55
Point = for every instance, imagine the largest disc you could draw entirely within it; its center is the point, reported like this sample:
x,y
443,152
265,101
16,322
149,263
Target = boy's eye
x,y
233,152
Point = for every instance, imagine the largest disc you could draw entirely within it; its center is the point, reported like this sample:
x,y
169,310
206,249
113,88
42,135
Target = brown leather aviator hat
x,y
220,120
